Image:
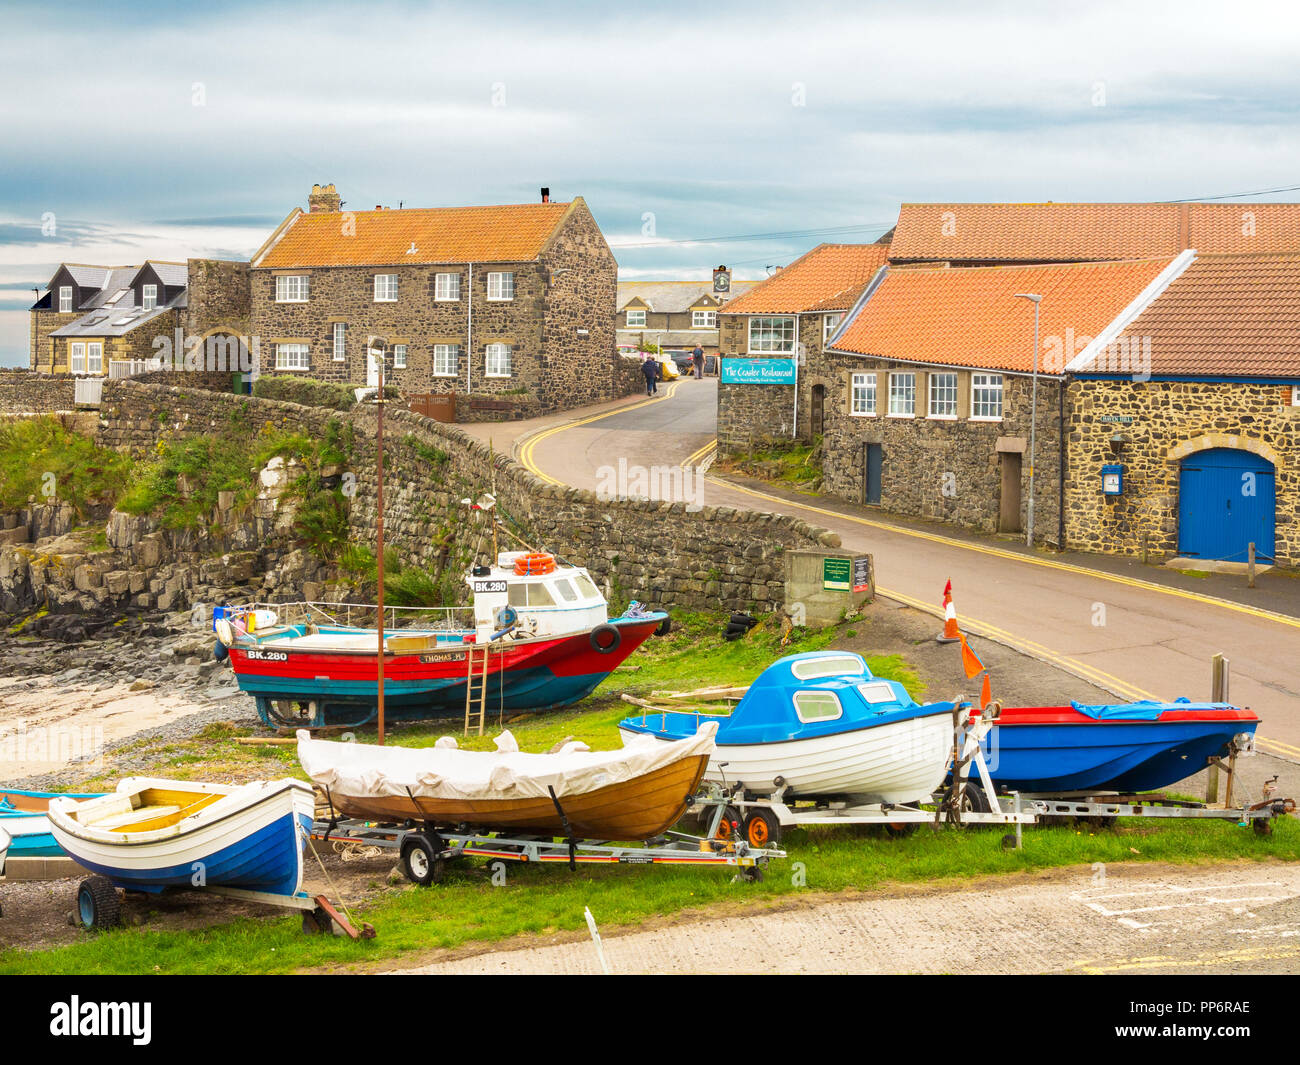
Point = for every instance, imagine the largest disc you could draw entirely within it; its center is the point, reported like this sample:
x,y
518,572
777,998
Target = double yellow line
x,y
697,456
526,458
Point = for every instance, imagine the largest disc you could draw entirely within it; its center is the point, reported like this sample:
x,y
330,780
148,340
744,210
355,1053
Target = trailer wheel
x,y
752,873
901,829
762,829
420,861
1263,826
98,906
973,800
726,827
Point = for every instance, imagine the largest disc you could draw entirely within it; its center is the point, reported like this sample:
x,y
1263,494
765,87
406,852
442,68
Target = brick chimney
x,y
323,198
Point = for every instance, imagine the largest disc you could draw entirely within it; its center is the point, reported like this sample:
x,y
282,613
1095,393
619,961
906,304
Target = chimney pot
x,y
546,194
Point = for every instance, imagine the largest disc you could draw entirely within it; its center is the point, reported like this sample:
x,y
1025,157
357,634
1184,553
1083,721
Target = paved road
x,y
1107,627
1223,919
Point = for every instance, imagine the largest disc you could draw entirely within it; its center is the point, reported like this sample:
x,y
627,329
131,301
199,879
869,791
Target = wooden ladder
x,y
476,700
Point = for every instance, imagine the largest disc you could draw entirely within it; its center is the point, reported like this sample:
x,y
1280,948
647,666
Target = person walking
x,y
651,370
697,357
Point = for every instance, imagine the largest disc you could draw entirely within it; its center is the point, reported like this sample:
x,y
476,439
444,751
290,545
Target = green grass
x,y
31,449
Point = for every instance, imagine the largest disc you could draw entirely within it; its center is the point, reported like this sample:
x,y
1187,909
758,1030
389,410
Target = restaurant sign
x,y
758,371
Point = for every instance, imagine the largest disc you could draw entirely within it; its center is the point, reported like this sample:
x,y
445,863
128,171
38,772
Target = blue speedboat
x,y
820,724
1126,747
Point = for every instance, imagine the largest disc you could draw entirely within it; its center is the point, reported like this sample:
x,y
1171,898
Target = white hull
x,y
901,762
4,849
224,824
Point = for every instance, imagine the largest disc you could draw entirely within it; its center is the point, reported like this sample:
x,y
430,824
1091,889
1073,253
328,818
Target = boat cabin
x,y
535,593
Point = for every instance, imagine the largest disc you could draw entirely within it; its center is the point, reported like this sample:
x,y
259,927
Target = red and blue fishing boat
x,y
538,637
1125,748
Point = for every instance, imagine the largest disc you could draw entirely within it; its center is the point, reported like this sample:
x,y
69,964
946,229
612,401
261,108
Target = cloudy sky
x,y
699,134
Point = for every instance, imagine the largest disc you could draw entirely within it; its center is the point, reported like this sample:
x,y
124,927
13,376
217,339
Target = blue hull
x,y
268,860
34,845
1126,757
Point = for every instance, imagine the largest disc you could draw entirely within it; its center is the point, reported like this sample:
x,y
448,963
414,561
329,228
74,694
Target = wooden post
x,y
1218,694
1250,565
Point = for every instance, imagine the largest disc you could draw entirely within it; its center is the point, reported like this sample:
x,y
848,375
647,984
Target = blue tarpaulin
x,y
1146,709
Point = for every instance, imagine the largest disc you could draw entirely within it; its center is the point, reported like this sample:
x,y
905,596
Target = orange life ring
x,y
534,565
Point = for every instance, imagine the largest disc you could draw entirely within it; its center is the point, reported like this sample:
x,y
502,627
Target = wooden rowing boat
x,y
633,793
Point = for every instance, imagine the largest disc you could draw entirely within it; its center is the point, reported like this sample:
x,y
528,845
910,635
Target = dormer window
x,y
635,318
149,297
65,299
704,319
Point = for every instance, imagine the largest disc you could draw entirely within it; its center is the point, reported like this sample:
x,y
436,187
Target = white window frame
x,y
77,356
65,299
340,341
1295,395
818,694
501,287
293,356
446,288
297,292
399,356
993,384
704,319
385,288
902,393
95,356
775,338
830,323
941,415
639,323
148,297
866,382
492,355
446,356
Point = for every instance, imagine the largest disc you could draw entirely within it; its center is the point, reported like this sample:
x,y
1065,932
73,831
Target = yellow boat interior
x,y
144,810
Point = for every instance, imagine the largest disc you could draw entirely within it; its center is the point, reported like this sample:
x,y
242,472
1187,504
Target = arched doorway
x,y
1226,501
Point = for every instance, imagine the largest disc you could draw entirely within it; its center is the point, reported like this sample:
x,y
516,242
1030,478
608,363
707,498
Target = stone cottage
x,y
511,299
771,340
673,314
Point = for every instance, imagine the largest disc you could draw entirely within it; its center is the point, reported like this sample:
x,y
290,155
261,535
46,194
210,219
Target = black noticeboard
x,y
862,573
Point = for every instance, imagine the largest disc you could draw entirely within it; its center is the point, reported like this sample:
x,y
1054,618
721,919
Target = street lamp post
x,y
376,350
1037,300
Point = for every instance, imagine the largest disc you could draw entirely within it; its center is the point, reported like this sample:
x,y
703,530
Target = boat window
x,y
566,591
539,595
585,587
517,594
836,666
816,706
878,691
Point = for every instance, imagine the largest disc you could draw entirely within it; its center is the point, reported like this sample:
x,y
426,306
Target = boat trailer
x,y
760,821
426,850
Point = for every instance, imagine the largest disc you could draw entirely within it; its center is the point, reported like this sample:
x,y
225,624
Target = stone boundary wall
x,y
656,552
24,392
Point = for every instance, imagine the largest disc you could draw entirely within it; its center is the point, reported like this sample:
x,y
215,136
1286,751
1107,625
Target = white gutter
x,y
794,425
1144,299
469,331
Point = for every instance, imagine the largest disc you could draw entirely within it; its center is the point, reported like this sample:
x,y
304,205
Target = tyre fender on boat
x,y
219,651
605,638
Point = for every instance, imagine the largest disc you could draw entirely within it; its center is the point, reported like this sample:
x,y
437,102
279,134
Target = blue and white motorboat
x,y
23,816
150,835
819,724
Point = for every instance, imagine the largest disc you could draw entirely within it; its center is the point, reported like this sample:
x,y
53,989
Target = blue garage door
x,y
1225,502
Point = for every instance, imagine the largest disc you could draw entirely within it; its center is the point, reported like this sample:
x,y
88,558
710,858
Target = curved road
x,y
1122,632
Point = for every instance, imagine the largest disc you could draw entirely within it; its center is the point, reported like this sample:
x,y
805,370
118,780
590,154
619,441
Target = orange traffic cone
x,y
950,634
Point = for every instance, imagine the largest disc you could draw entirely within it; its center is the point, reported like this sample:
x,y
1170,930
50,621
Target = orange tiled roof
x,y
1078,232
1230,315
971,316
830,277
505,233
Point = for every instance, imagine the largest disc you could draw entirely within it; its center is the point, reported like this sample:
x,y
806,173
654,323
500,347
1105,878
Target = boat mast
x,y
376,350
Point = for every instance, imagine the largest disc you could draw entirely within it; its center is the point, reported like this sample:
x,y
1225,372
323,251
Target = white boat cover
x,y
364,770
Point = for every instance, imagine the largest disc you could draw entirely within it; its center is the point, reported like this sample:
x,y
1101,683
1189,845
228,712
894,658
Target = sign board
x,y
758,371
862,573
721,280
837,574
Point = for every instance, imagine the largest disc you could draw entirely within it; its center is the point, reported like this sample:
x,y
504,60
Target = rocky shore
x,y
104,686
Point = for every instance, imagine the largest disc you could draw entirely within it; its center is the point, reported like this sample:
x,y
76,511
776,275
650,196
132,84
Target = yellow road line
x,y
526,449
697,456
997,552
